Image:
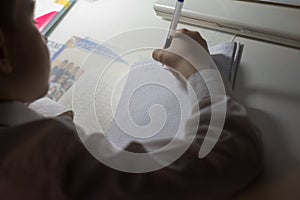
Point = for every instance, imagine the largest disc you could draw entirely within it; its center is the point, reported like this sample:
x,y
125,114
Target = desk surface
x,y
266,81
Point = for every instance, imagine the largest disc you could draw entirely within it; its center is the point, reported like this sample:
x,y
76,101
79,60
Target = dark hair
x,y
6,14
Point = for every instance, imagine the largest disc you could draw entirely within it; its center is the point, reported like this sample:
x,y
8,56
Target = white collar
x,y
16,113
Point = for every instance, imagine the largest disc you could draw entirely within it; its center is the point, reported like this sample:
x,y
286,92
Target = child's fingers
x,y
196,36
167,58
174,61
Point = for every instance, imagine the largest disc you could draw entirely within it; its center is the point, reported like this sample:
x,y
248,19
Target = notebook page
x,y
149,86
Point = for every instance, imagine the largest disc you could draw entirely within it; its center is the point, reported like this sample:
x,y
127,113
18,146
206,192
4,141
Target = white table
x,y
267,80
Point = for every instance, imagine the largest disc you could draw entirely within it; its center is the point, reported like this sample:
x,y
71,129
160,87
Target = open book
x,y
81,81
227,57
155,103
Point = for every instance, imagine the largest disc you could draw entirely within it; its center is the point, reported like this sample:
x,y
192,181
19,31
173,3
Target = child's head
x,y
24,56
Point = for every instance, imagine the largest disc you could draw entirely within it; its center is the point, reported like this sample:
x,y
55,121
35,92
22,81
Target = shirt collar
x,y
16,113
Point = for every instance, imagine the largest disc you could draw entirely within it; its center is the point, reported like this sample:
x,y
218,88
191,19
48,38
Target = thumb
x,y
167,58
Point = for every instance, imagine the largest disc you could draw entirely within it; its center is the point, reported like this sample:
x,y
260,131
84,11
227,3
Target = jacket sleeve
x,y
230,166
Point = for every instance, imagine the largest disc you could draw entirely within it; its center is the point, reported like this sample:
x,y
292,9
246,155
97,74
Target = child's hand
x,y
196,36
178,63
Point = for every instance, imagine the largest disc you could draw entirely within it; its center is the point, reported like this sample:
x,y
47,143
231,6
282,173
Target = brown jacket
x,y
44,159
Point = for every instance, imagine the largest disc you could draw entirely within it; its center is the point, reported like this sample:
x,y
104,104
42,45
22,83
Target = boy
x,y
42,158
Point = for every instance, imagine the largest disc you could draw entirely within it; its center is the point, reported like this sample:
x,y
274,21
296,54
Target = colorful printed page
x,y
48,12
75,75
69,63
